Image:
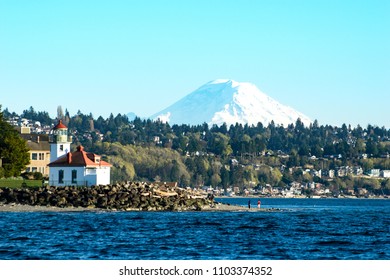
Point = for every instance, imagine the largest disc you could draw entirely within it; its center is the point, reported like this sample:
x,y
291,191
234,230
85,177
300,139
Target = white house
x,y
385,173
374,173
78,168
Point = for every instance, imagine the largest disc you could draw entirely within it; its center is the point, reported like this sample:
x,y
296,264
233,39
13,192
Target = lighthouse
x,y
78,168
59,141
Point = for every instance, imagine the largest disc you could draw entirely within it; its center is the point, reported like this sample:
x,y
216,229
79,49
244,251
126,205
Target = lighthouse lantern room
x,y
59,141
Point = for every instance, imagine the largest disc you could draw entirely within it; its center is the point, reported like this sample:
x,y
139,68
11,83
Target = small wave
x,y
336,234
334,243
20,238
8,254
32,258
208,223
378,242
137,218
94,257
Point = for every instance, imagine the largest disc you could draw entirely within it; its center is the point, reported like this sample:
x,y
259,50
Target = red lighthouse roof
x,y
60,125
80,158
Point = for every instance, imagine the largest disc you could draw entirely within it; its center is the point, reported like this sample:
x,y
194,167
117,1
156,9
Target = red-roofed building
x,y
78,168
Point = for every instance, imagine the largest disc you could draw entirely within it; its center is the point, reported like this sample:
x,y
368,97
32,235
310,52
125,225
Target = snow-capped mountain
x,y
227,101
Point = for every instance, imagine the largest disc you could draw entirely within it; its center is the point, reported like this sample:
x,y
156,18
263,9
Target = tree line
x,y
238,155
13,150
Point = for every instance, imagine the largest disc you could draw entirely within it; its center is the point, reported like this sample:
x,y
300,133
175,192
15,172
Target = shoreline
x,y
218,207
302,197
12,207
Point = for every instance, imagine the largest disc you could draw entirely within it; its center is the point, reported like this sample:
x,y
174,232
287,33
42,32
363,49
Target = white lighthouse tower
x,y
59,141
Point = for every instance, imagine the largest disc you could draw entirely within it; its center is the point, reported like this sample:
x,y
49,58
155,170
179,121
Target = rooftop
x,y
80,158
60,125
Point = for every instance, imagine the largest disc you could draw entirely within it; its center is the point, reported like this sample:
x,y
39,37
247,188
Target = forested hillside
x,y
239,155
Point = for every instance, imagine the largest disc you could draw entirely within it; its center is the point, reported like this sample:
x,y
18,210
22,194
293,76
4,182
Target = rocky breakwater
x,y
125,196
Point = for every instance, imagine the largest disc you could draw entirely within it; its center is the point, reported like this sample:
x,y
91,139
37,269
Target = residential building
x,y
316,173
328,173
39,150
385,173
357,170
374,173
344,171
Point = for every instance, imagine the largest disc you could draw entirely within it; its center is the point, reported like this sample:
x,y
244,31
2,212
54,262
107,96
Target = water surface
x,y
306,229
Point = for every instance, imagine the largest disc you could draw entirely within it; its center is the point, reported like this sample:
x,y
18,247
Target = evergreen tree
x,y
14,154
60,113
372,148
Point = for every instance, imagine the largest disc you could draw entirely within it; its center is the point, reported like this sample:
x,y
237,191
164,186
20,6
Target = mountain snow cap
x,y
228,101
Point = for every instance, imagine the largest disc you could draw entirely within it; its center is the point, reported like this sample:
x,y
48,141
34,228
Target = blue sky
x,y
328,59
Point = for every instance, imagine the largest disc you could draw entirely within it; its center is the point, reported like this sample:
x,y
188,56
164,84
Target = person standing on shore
x,y
258,204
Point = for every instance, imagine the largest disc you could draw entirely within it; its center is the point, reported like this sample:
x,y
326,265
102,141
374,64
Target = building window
x,y
90,171
34,156
60,176
61,147
41,156
74,176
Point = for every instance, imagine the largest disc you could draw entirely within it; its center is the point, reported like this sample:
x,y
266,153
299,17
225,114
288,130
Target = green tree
x,y
215,180
225,178
220,144
175,171
386,187
372,148
368,164
13,150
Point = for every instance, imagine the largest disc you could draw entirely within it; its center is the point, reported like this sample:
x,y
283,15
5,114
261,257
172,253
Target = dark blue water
x,y
306,229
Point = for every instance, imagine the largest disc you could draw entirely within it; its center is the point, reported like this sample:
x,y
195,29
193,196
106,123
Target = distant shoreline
x,y
303,197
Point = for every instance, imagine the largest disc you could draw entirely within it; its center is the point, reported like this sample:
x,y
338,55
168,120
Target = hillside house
x,y
385,173
374,173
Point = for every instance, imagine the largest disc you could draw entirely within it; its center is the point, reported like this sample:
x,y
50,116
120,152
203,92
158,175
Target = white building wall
x,y
98,176
385,173
90,176
85,176
67,181
58,150
103,176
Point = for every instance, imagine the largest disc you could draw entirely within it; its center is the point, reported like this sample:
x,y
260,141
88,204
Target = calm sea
x,y
305,229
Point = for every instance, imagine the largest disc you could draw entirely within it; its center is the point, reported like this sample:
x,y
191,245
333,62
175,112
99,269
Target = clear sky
x,y
329,59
